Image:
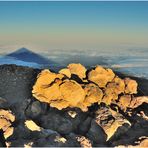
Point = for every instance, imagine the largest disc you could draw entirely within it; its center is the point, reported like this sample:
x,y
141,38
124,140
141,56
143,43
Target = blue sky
x,y
45,25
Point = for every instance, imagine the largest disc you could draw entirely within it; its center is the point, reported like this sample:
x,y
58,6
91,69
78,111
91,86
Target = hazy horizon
x,y
73,25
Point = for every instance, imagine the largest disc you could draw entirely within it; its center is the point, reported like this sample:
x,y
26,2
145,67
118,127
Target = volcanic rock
x,y
65,72
96,133
84,142
6,119
110,121
77,69
131,86
101,76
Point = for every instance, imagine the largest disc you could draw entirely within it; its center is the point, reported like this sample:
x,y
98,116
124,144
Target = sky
x,y
73,25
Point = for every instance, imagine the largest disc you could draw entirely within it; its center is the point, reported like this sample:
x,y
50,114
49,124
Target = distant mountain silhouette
x,y
26,55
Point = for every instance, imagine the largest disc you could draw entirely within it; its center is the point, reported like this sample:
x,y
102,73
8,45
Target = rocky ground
x,y
26,120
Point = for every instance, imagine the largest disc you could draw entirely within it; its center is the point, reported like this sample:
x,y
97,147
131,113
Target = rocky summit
x,y
75,107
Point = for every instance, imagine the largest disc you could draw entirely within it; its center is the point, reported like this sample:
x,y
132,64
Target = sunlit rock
x,y
72,92
31,125
77,69
101,76
112,90
65,72
93,94
130,86
137,101
84,142
6,119
110,121
124,102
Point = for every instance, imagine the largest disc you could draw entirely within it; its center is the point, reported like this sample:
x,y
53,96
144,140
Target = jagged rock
x,y
93,94
35,109
112,90
77,120
16,83
96,133
110,121
84,126
6,119
137,101
84,142
127,101
77,69
72,92
101,76
124,102
65,72
130,86
56,122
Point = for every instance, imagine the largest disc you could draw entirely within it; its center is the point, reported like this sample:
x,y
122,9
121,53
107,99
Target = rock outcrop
x,y
61,91
75,107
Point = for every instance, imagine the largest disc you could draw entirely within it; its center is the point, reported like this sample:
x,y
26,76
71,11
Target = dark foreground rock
x,y
69,127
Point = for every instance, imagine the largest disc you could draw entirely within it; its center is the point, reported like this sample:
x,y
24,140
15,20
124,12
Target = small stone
x,y
32,125
84,142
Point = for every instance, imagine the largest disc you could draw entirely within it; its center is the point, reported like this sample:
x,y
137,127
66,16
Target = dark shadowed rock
x,y
16,82
35,109
96,133
84,126
56,122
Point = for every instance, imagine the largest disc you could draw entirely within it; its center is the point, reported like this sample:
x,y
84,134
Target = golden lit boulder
x,y
130,86
124,102
65,72
77,69
93,94
46,77
59,93
44,88
112,90
6,119
46,94
101,76
113,120
72,92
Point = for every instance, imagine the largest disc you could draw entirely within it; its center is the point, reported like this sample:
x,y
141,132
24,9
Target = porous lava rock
x,y
101,76
63,92
68,109
110,121
6,119
77,69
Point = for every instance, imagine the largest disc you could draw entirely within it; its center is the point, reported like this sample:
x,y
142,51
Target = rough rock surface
x,y
6,119
110,121
101,76
61,92
77,69
89,121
